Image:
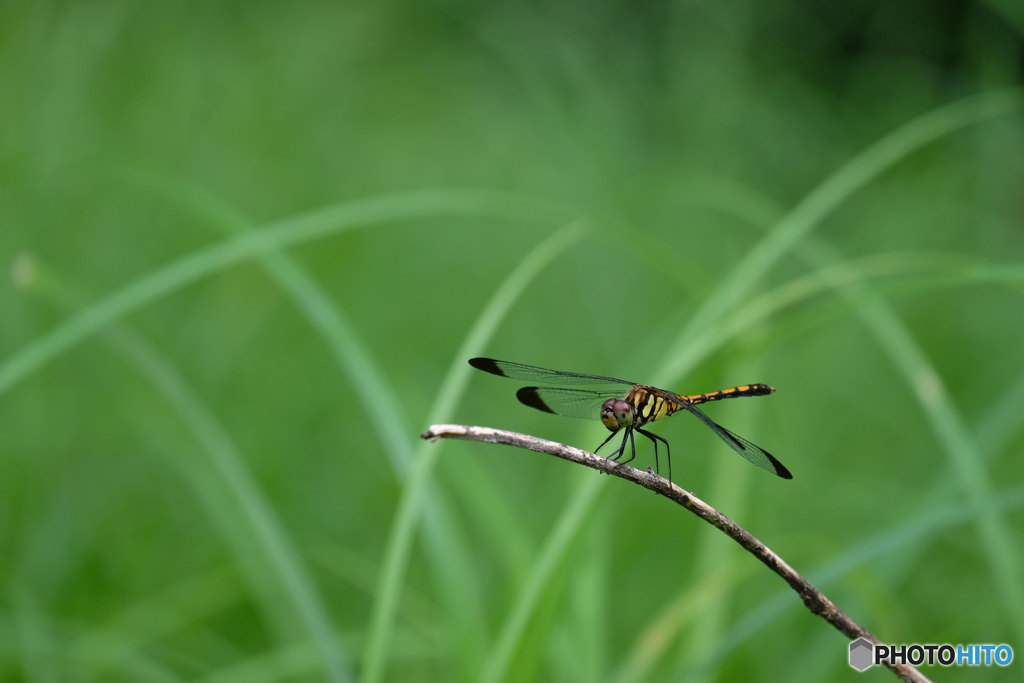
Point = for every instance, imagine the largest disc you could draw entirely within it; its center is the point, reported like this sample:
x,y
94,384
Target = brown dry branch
x,y
815,600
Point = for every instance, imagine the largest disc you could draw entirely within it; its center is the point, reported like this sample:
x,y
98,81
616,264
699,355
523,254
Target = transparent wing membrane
x,y
532,373
751,452
583,403
586,403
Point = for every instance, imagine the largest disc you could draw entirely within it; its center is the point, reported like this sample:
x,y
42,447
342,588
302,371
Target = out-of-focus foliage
x,y
252,245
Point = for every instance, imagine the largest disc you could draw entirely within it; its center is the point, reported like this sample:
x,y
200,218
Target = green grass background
x,y
251,246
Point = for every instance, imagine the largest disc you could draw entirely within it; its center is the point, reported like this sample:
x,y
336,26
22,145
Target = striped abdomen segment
x,y
733,392
650,404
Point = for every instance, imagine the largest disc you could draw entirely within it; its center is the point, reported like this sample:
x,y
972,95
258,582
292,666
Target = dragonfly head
x,y
616,413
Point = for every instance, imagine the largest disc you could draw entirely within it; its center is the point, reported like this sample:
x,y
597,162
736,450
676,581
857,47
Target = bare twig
x,y
814,599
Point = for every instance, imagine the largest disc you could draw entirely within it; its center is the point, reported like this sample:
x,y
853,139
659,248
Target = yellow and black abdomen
x,y
733,392
650,404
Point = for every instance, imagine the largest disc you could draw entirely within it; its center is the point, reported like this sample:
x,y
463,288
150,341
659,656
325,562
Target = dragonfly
x,y
627,407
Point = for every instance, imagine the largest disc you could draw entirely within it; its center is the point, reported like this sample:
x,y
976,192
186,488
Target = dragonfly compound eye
x,y
616,414
577,394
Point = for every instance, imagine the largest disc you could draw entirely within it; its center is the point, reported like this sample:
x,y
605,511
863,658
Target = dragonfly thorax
x,y
616,413
567,393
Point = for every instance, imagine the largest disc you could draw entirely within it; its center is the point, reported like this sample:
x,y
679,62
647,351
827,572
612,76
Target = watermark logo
x,y
864,654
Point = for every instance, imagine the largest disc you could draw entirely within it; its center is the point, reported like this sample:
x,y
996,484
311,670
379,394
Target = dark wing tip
x,y
528,396
780,469
487,365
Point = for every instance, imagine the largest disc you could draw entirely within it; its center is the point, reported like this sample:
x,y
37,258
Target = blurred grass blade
x,y
254,510
555,547
443,540
400,536
847,277
243,247
250,525
962,453
35,637
178,607
326,317
1002,423
809,212
457,377
685,609
41,641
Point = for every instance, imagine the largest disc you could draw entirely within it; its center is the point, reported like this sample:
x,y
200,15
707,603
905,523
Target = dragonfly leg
x,y
622,448
627,436
668,453
606,441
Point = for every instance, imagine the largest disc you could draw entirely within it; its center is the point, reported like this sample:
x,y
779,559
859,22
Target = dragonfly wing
x,y
532,373
582,403
751,452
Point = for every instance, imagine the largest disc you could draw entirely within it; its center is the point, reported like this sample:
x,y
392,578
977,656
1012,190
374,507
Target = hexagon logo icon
x,y
861,654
